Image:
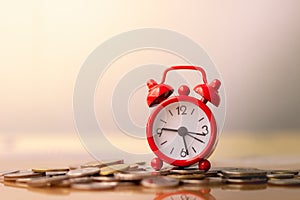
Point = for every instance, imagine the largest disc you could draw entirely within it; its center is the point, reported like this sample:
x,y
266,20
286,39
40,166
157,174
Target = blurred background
x,y
254,44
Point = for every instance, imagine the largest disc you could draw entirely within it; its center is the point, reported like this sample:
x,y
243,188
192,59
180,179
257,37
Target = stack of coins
x,y
284,177
115,173
244,175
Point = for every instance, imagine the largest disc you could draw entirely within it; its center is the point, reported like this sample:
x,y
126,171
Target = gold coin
x,y
46,169
83,172
113,168
102,163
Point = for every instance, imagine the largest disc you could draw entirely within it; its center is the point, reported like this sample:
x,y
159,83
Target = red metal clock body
x,y
175,155
182,130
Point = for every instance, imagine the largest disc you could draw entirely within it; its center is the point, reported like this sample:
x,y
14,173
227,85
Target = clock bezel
x,y
211,143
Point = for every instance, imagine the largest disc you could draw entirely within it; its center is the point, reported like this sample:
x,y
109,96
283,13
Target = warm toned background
x,y
255,45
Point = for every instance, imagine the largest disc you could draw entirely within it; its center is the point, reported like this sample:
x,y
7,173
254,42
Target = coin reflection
x,y
244,187
202,194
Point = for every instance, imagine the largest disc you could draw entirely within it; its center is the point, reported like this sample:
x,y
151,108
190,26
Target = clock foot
x,y
204,165
156,164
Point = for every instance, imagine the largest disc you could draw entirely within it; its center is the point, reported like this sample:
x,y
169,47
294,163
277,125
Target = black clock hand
x,y
184,141
169,129
201,134
160,130
195,138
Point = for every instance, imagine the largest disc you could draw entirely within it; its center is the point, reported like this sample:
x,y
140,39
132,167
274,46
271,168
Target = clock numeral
x,y
184,197
181,110
159,132
205,132
183,153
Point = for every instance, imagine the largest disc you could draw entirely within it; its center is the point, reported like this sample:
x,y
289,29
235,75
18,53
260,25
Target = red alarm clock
x,y
182,130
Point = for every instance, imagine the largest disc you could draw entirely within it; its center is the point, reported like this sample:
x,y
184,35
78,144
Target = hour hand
x,y
169,129
160,130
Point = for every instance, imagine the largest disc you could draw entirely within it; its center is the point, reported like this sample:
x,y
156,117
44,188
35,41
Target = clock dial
x,y
181,130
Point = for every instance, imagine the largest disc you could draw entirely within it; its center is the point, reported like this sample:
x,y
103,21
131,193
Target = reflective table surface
x,y
263,154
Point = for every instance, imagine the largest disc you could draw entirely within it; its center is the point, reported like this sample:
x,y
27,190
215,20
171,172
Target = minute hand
x,y
202,134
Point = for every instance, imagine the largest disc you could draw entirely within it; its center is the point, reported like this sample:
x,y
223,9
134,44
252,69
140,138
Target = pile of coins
x,y
110,174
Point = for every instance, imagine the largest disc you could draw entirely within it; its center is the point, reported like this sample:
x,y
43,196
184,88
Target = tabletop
x,y
234,150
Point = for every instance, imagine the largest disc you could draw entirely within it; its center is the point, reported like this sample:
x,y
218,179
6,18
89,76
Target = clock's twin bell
x,y
160,92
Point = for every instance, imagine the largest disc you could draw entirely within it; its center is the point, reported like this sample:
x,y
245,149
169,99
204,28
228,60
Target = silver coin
x,y
140,162
134,176
243,172
22,174
207,181
187,171
23,180
295,172
280,176
63,183
15,184
81,180
285,182
94,186
8,172
83,172
126,183
159,181
134,170
74,166
56,173
212,173
46,181
90,164
133,167
220,169
187,176
246,180
104,179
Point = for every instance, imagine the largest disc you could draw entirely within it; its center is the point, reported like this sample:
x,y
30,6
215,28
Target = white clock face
x,y
181,130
